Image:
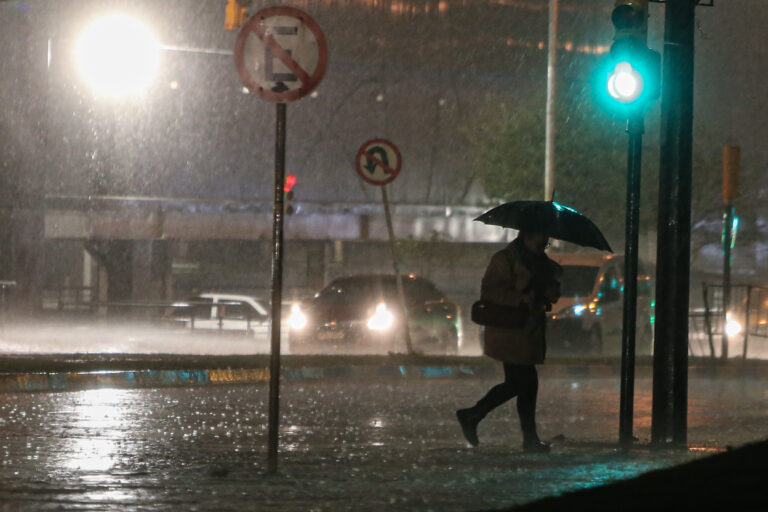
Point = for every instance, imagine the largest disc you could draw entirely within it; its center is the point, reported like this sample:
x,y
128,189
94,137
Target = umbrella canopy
x,y
548,218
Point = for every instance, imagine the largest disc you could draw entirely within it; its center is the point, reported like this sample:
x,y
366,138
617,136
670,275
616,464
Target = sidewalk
x,y
733,481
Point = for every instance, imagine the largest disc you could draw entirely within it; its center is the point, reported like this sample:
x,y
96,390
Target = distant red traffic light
x,y
290,181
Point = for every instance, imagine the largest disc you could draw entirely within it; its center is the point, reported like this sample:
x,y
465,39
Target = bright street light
x,y
732,327
117,55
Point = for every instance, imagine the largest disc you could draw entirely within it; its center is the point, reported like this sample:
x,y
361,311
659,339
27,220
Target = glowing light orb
x,y
732,328
117,56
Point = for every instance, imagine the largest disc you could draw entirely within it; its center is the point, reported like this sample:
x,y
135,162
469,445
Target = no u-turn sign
x,y
378,161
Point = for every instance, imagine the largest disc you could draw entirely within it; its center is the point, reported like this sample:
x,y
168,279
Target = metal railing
x,y
69,298
82,299
748,306
217,312
190,314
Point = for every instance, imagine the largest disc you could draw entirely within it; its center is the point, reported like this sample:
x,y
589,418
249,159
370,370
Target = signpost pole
x,y
277,290
269,38
396,265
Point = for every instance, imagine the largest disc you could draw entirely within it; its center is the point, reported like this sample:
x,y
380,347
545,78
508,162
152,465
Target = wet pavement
x,y
345,445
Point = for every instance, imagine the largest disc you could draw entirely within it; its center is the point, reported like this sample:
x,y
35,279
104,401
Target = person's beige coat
x,y
503,283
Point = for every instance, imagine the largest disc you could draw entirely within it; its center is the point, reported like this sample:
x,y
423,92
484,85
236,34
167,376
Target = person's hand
x,y
533,302
552,292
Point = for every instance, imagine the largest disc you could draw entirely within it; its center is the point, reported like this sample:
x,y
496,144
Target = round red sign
x,y
281,54
378,161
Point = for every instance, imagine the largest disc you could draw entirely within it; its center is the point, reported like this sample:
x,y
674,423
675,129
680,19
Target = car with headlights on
x,y
588,317
364,311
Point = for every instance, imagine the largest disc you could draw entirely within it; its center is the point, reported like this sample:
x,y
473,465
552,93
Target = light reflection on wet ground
x,y
344,445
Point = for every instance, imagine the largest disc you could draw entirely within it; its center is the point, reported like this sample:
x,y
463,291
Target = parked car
x,y
365,310
589,315
223,312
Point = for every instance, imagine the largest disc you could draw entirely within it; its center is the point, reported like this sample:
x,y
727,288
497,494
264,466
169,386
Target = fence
x,y
224,315
69,298
747,316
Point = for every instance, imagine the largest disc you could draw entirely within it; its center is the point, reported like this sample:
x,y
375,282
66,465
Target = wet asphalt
x,y
374,444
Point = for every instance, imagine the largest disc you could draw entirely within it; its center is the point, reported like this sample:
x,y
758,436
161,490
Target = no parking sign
x,y
281,54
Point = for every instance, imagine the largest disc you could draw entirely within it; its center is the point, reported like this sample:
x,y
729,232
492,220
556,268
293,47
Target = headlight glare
x,y
297,320
732,327
381,320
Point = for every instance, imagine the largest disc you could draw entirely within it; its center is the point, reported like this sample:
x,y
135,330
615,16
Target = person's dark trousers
x,y
521,381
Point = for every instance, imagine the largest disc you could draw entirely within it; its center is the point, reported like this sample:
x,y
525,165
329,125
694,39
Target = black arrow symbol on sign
x,y
371,163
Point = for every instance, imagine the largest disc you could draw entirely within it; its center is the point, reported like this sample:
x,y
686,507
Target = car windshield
x,y
200,307
239,310
578,280
353,290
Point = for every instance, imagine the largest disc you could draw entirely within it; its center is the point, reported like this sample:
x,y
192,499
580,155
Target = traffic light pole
x,y
727,237
277,291
550,128
730,192
635,129
670,349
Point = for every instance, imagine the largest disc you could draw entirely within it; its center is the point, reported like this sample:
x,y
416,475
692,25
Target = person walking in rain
x,y
520,275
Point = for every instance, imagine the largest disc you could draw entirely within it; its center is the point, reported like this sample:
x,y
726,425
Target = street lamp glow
x,y
624,83
732,327
117,55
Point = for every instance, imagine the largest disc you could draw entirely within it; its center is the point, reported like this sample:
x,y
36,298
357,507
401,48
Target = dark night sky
x,y
433,69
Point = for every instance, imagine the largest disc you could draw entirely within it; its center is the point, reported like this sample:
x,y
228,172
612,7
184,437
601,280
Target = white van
x,y
589,315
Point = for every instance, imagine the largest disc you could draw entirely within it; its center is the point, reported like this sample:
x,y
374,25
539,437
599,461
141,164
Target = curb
x,y
367,369
79,381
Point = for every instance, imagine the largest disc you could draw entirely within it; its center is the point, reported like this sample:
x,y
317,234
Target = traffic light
x,y
632,75
288,207
235,14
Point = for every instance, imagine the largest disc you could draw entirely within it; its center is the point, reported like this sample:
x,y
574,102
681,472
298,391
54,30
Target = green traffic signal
x,y
630,77
625,84
635,79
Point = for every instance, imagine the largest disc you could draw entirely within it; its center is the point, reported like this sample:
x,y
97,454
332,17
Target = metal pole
x,y
398,277
549,152
708,320
670,358
277,290
635,128
727,235
746,320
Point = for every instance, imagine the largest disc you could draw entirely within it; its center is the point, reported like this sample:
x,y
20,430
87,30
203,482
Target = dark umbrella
x,y
548,218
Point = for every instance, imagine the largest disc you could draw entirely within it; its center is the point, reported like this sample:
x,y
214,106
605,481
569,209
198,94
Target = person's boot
x,y
468,419
532,443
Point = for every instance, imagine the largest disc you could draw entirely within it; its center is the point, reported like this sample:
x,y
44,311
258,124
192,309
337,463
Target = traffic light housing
x,y
235,14
288,207
632,74
731,168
